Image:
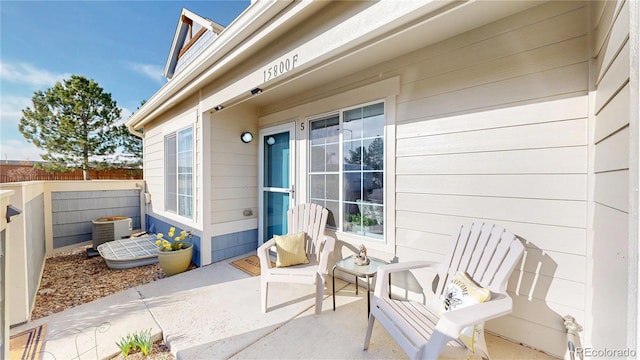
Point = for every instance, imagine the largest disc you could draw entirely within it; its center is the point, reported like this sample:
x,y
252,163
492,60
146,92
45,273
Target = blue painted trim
x,y
155,225
230,245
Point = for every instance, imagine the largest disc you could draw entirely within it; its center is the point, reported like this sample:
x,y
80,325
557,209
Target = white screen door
x,y
276,179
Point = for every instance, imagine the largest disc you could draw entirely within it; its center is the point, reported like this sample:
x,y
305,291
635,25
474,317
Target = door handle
x,y
291,190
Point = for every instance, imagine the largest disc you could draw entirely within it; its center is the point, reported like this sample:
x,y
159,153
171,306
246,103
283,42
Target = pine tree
x,y
131,145
74,122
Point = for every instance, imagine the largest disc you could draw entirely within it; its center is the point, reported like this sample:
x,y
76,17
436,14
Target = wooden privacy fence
x,y
19,172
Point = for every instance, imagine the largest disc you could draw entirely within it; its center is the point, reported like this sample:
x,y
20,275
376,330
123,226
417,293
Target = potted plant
x,y
174,254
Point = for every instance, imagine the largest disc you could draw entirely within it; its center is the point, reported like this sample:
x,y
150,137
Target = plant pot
x,y
175,262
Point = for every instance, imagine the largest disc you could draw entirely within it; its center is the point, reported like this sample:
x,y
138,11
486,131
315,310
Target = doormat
x,y
27,344
249,264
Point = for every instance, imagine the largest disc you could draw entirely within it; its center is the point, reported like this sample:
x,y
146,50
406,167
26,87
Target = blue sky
x,y
122,45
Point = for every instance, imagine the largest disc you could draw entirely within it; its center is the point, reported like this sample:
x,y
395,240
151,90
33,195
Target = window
x,y
346,169
178,148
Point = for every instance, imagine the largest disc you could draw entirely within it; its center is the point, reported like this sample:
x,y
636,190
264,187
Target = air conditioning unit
x,y
110,228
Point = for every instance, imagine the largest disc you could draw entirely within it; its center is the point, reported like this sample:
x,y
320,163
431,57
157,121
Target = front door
x,y
276,179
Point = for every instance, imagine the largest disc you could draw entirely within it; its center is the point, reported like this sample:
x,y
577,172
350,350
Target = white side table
x,y
368,271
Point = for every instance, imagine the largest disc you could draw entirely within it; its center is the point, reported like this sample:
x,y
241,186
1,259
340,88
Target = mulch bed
x,y
71,279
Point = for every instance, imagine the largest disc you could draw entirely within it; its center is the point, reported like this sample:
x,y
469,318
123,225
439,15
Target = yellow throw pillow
x,y
290,250
461,292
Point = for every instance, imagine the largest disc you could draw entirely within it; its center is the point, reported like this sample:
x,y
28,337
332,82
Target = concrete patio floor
x,y
213,312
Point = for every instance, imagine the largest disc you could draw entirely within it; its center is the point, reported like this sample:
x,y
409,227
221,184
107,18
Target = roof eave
x,y
256,15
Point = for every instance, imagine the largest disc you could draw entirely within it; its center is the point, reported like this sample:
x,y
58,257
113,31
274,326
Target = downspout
x,y
142,187
143,205
134,131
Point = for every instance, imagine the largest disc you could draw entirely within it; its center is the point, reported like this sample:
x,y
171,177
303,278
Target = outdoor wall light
x,y
11,212
271,140
246,137
256,91
218,108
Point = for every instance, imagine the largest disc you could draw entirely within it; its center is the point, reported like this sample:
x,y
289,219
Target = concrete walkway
x,y
214,313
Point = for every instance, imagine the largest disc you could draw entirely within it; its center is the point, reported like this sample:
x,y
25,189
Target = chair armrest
x,y
382,285
451,323
328,245
263,253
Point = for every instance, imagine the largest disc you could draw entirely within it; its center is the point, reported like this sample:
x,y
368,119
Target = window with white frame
x,y
178,149
346,169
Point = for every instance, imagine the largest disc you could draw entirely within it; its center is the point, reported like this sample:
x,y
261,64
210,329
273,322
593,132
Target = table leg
x,y
368,296
356,277
333,282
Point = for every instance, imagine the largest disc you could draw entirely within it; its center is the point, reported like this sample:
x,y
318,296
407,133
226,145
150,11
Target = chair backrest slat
x,y
510,261
484,232
309,222
314,228
470,247
305,215
452,261
486,252
311,219
460,246
497,258
495,234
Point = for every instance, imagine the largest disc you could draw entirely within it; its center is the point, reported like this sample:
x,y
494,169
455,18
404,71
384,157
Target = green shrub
x,y
359,219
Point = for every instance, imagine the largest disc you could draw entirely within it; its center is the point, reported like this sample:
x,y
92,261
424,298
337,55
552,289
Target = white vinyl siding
x,y
180,117
492,125
234,170
611,169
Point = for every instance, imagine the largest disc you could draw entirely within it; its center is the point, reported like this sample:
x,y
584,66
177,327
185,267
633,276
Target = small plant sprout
x,y
143,341
132,342
126,344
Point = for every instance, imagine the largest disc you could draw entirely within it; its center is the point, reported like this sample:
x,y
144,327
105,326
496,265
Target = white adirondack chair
x,y
311,219
488,253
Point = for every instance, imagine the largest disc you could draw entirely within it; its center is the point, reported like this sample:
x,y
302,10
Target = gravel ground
x,y
71,279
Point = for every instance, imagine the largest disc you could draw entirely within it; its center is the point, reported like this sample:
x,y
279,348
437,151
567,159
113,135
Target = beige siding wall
x,y
179,117
234,164
611,167
493,126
